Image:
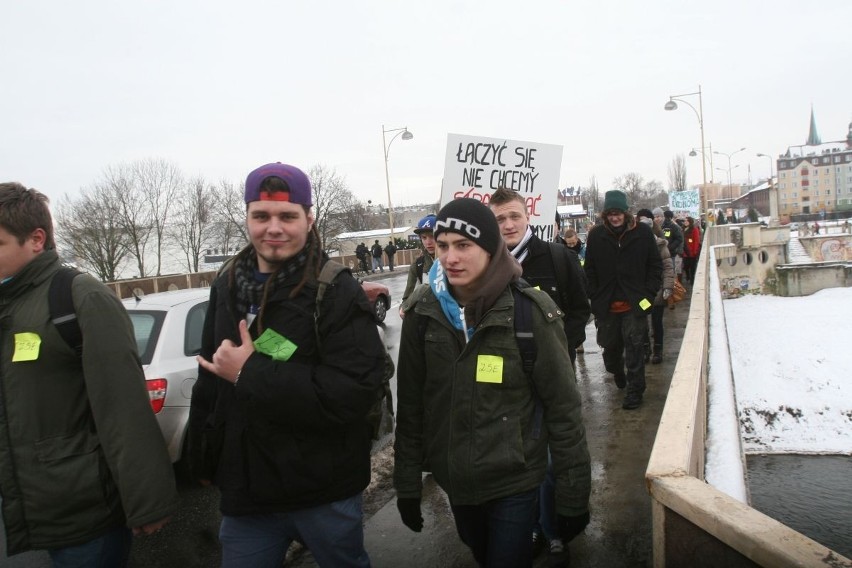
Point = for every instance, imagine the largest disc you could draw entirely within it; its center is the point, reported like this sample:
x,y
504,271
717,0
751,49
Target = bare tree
x,y
192,221
677,173
133,211
229,214
358,218
631,184
88,226
332,199
159,182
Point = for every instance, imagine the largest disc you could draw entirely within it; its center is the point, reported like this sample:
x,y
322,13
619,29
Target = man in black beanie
x,y
471,412
624,271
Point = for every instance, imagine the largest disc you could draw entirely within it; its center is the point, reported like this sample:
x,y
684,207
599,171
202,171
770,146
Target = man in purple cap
x,y
279,411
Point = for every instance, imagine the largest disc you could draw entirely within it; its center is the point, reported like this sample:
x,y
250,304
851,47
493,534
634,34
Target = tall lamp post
x,y
773,192
729,156
406,135
706,154
699,113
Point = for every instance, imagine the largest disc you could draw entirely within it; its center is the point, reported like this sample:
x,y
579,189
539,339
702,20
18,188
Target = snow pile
x,y
792,363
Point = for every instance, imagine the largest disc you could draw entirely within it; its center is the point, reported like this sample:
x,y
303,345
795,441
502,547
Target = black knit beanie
x,y
471,219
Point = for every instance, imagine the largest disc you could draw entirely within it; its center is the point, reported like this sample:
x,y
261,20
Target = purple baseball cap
x,y
300,185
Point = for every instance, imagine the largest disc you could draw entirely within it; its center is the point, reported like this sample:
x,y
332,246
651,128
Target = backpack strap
x,y
419,264
329,272
525,338
61,306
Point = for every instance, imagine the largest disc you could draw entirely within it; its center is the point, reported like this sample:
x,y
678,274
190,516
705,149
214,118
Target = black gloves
x,y
409,510
569,527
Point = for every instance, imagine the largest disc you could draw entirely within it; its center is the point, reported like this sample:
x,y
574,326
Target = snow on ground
x,y
792,366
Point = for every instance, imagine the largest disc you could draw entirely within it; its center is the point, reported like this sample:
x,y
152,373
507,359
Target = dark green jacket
x,y
475,436
80,449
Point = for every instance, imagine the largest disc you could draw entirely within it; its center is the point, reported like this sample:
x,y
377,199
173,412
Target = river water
x,y
810,494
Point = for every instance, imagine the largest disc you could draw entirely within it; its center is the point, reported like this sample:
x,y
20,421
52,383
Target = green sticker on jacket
x,y
275,345
644,304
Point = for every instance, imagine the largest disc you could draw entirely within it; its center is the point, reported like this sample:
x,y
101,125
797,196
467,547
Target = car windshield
x,y
146,328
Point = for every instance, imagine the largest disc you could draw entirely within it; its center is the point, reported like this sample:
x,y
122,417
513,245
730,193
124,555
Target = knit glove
x,y
666,293
569,527
409,511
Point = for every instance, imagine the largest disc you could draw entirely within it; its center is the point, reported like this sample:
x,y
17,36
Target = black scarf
x,y
249,292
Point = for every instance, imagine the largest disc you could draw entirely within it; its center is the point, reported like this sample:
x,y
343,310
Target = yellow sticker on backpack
x,y
644,304
489,369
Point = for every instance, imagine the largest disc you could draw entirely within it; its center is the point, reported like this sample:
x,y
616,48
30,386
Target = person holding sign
x,y
85,465
278,418
473,409
624,271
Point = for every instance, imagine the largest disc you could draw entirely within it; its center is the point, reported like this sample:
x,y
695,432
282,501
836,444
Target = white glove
x,y
666,293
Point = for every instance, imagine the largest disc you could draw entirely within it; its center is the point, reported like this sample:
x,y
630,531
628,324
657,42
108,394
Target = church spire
x,y
813,136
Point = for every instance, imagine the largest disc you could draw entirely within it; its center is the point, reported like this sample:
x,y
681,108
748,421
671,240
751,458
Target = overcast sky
x,y
219,88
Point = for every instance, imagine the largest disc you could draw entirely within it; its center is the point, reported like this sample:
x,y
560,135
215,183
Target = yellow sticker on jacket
x,y
644,304
489,369
26,347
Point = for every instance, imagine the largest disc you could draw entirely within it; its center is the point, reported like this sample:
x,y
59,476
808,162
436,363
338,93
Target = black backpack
x,y
384,396
61,307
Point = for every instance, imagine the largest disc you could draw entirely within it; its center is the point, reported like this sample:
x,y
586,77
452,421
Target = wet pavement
x,y
620,443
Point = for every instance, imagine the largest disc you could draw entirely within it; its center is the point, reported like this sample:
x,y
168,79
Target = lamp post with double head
x,y
406,135
773,192
699,113
729,156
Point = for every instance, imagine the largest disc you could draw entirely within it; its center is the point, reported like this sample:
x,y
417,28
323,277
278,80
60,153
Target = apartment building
x,y
816,177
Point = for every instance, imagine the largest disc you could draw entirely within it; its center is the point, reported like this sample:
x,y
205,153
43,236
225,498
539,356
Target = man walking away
x,y
376,251
84,464
624,273
390,251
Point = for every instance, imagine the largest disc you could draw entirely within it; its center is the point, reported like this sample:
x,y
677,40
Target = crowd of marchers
x,y
291,368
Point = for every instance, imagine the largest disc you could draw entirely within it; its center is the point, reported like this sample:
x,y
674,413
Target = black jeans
x,y
622,337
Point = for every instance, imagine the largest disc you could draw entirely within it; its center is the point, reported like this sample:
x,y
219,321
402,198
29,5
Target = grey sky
x,y
221,87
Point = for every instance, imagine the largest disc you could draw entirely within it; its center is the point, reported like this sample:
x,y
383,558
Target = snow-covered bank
x,y
792,366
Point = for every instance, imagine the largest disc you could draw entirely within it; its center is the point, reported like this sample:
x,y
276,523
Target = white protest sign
x,y
686,202
476,167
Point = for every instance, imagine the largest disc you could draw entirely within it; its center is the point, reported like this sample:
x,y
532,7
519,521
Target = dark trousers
x,y
657,323
499,533
689,264
622,337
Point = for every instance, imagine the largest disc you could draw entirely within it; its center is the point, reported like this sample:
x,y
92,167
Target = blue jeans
x,y
111,550
377,264
622,337
334,533
499,532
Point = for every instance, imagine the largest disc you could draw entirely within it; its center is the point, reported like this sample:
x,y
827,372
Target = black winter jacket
x,y
539,271
291,434
629,261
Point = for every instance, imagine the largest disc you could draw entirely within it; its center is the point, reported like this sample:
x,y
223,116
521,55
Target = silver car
x,y
168,327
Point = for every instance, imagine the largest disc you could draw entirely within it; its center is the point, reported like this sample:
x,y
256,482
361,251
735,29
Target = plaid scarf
x,y
249,292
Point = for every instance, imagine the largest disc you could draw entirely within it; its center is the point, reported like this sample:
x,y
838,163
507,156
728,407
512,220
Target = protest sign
x,y
476,167
686,202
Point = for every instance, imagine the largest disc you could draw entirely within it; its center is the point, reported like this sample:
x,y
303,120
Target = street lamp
x,y
730,187
773,192
706,154
699,113
406,135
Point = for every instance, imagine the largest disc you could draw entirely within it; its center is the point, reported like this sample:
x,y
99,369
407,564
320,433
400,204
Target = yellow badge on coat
x,y
27,345
644,304
489,369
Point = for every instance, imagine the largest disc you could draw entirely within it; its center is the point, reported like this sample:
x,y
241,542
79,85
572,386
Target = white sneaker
x,y
556,546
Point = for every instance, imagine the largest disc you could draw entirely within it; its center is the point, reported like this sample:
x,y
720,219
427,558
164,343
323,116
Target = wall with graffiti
x,y
828,248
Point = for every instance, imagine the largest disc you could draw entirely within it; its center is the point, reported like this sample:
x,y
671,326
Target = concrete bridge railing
x,y
695,524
